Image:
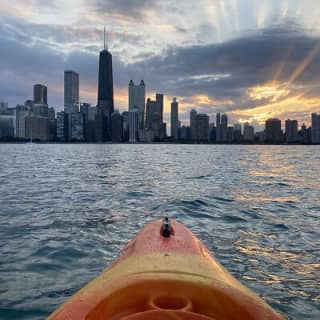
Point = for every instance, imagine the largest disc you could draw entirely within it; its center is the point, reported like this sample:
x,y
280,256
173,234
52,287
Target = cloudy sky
x,y
253,59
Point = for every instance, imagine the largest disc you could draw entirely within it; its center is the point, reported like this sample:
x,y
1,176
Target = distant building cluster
x,y
143,122
201,130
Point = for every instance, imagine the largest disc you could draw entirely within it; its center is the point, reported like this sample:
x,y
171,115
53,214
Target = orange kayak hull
x,y
159,277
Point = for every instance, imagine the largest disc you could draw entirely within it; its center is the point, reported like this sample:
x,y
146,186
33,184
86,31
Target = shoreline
x,y
165,143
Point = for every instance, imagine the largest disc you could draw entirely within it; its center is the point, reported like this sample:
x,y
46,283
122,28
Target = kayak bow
x,y
165,273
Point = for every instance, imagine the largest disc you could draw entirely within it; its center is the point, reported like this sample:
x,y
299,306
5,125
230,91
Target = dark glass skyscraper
x,y
105,86
174,119
273,131
105,93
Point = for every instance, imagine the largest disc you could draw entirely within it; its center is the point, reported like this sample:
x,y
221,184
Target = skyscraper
x,y
202,122
212,132
40,94
159,105
7,126
62,126
3,107
116,127
291,131
137,99
248,133
71,105
77,133
125,125
230,134
71,91
273,131
218,124
155,128
315,128
21,114
133,125
236,133
174,119
105,90
193,124
150,110
37,127
224,128
305,134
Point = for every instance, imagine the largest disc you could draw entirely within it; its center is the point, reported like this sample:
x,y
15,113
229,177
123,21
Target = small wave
x,y
199,177
61,293
282,184
223,199
281,226
139,194
194,203
95,222
232,219
66,254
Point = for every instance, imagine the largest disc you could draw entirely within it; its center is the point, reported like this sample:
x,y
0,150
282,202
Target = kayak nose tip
x,y
166,228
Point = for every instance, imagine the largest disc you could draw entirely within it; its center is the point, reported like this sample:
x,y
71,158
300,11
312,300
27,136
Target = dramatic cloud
x,y
257,69
128,9
216,56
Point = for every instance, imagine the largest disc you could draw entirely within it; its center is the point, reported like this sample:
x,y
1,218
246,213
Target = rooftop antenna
x,y
105,39
107,47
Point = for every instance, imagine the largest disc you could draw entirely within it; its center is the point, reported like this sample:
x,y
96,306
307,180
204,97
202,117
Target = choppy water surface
x,y
67,210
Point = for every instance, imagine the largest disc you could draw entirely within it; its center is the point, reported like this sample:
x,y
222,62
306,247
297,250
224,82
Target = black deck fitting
x,y
165,230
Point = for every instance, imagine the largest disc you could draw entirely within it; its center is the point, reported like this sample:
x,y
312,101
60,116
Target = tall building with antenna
x,y
105,93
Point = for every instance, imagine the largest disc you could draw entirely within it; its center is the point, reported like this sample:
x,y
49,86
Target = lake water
x,y
67,210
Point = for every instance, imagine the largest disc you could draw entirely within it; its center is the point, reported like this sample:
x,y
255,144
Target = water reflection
x,y
256,207
293,268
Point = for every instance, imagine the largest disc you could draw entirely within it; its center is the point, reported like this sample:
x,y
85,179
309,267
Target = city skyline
x,y
141,122
251,59
81,122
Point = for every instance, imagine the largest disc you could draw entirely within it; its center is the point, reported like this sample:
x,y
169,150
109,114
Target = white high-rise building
x,y
315,128
137,99
133,125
